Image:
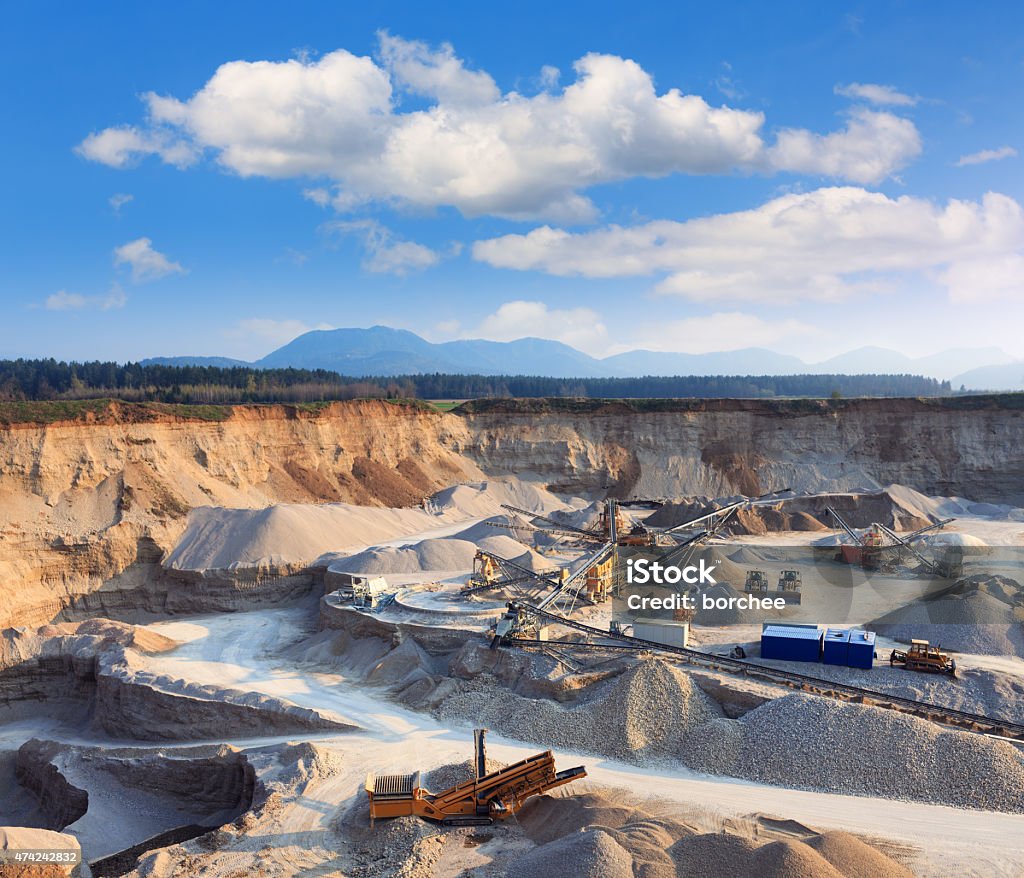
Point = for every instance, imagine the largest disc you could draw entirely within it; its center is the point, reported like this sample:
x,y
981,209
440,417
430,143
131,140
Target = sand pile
x,y
546,818
953,507
293,534
977,615
590,834
442,554
814,743
584,854
486,498
286,534
644,711
855,858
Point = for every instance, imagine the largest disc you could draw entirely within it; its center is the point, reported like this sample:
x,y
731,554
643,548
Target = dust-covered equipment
x,y
922,656
479,801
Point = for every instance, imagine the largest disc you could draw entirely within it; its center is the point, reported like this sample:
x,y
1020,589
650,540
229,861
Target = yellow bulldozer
x,y
923,657
486,797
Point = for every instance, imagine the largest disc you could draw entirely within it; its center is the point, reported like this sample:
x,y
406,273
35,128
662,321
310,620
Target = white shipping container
x,y
663,631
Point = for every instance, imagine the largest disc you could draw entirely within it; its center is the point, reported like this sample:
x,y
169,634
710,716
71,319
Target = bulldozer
x,y
487,797
923,657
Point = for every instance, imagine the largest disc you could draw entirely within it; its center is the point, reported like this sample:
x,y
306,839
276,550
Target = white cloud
x,y
123,146
549,76
821,245
119,200
145,262
62,300
873,93
276,332
471,146
384,253
65,301
579,327
986,155
439,74
872,145
722,331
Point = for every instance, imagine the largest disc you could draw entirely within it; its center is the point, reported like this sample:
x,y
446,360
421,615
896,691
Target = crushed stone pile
x,y
452,774
801,741
979,615
644,711
894,507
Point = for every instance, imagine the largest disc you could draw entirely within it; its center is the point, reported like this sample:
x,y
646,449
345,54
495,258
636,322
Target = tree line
x,y
49,379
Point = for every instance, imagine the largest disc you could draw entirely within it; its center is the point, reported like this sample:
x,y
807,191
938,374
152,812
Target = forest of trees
x,y
52,379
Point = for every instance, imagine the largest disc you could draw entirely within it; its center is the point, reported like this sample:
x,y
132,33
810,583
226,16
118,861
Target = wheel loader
x,y
923,657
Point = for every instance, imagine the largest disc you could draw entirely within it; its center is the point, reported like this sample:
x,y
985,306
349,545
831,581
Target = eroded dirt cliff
x,y
89,508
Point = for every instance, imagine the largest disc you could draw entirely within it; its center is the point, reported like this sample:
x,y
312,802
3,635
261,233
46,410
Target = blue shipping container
x,y
837,647
862,649
793,643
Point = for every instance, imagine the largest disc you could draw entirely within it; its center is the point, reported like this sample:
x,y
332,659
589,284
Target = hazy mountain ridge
x,y
383,351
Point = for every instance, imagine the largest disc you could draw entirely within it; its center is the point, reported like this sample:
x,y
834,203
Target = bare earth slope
x,y
98,503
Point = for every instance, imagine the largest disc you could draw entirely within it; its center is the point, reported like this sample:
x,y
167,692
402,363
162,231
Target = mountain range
x,y
383,351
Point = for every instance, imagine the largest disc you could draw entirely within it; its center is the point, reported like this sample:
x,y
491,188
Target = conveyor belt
x,y
935,713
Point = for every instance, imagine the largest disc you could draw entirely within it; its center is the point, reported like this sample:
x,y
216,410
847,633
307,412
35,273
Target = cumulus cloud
x,y
275,332
123,146
873,93
581,328
822,245
146,263
473,147
62,300
871,146
384,253
438,74
986,155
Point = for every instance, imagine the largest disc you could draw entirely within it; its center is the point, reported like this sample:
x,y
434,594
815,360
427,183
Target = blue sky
x,y
197,178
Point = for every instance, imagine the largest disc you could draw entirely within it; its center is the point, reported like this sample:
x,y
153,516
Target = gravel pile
x,y
586,854
447,776
814,743
644,711
976,616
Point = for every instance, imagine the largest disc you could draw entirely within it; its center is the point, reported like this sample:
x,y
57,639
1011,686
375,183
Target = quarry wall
x,y
89,508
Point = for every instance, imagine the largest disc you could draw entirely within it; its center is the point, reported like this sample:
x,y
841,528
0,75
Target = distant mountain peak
x,y
384,351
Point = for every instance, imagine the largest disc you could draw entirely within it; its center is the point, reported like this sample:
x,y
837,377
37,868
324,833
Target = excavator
x,y
487,797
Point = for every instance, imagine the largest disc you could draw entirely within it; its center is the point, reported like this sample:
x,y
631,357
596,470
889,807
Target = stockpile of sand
x,y
584,854
953,507
644,711
977,615
442,554
286,534
608,837
292,534
814,743
486,498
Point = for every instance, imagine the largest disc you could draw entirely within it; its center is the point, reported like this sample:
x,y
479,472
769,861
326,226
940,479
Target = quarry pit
x,y
187,688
